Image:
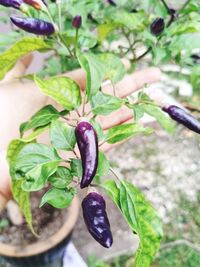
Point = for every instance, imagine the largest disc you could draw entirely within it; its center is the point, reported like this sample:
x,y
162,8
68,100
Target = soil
x,y
45,223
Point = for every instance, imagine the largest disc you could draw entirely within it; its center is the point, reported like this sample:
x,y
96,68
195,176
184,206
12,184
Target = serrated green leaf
x,y
121,132
95,71
18,50
41,118
140,216
58,198
62,136
61,178
63,90
104,104
161,118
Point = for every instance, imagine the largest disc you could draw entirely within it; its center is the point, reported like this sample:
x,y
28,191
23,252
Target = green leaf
x,y
34,134
103,167
124,131
61,178
138,112
114,67
95,71
18,50
103,104
133,21
58,198
37,162
23,200
41,118
20,196
76,167
62,136
63,90
160,116
140,216
98,129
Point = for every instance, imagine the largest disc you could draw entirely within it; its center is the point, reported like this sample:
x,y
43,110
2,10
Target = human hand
x,y
20,100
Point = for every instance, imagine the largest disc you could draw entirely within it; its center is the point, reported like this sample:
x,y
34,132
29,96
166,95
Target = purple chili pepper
x,y
88,146
157,26
96,219
36,26
183,117
11,3
77,21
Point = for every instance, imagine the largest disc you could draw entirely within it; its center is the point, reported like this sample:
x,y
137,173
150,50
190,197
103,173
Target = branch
x,y
166,6
180,242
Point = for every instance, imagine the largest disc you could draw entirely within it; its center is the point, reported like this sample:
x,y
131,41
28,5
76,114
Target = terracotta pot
x,y
47,252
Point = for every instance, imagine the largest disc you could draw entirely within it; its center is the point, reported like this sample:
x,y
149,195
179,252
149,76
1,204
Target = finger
x,y
115,118
133,82
19,68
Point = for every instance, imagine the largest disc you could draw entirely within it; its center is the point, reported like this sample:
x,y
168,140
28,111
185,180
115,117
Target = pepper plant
x,y
81,34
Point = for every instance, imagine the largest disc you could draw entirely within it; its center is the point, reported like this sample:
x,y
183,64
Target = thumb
x,y
19,68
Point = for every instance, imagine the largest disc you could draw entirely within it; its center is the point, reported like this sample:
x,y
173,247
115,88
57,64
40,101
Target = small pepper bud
x,y
77,22
112,3
11,3
157,26
36,26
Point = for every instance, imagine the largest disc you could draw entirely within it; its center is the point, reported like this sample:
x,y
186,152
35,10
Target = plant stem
x,y
184,6
115,174
166,6
64,44
76,41
75,153
59,3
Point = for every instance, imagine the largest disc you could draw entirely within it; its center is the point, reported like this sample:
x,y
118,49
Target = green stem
x,y
184,6
76,41
64,44
59,3
115,174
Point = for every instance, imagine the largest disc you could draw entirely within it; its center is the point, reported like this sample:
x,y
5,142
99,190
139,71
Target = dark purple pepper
x,y
157,26
77,22
88,146
183,117
36,26
11,3
96,219
195,58
112,3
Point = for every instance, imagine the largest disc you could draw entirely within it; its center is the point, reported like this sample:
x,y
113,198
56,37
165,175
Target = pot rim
x,y
44,245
